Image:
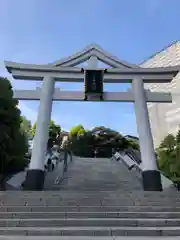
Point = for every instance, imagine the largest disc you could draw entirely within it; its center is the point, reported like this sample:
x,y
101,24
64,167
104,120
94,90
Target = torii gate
x,y
66,70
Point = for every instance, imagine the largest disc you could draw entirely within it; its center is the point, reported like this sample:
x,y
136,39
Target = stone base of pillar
x,y
34,180
152,180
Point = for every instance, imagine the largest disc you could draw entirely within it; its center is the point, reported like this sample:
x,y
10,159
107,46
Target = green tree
x,y
74,131
178,138
134,145
169,142
81,132
13,142
169,157
26,127
54,130
100,139
107,139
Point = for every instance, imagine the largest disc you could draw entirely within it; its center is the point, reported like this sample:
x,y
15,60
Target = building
x,y
165,118
65,136
133,138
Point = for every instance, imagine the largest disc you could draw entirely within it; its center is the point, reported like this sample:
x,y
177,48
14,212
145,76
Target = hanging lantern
x,y
94,83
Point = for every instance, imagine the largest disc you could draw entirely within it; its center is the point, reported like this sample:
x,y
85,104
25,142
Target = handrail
x,y
135,165
67,154
56,176
133,155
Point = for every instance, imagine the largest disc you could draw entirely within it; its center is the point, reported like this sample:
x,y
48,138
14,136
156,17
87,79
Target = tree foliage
x,y
168,143
26,127
100,139
133,144
178,138
169,157
13,141
74,131
54,130
81,133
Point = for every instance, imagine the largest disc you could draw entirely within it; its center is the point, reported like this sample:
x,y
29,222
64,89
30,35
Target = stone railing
x,y
132,165
129,163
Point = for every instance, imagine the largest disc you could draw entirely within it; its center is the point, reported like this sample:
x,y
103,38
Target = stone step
x,y
118,192
68,194
68,238
80,215
87,202
90,231
63,187
72,238
101,208
91,222
107,197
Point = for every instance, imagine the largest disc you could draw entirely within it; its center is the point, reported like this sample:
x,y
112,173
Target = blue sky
x,y
43,31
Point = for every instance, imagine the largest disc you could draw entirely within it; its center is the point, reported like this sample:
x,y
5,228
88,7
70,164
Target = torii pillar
x,y
36,175
151,175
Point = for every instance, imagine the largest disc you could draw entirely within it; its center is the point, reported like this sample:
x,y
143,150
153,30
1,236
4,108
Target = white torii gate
x,y
65,71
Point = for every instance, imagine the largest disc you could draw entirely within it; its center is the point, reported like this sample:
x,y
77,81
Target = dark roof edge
x,y
130,136
155,54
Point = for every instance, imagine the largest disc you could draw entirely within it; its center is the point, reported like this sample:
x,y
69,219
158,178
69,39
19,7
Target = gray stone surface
x,y
85,238
90,198
90,215
89,222
91,231
98,175
97,197
60,238
53,179
141,209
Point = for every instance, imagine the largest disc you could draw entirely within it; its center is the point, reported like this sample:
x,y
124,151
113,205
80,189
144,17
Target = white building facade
x,y
165,117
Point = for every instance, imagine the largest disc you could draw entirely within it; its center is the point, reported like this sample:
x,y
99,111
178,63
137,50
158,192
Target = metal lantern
x,y
94,83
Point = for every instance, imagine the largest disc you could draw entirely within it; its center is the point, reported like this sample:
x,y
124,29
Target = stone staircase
x,y
98,174
94,200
